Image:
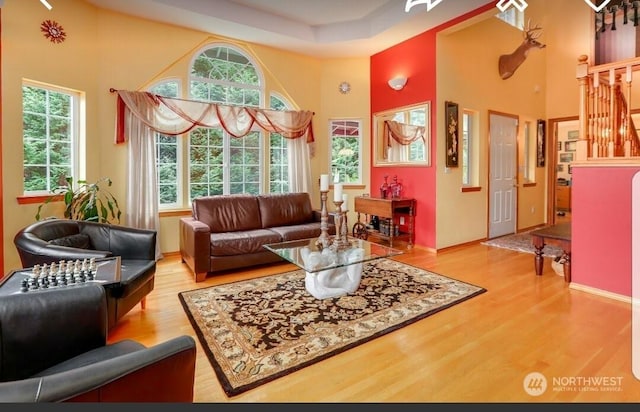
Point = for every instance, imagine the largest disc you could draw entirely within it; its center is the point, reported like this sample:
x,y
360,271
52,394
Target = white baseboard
x,y
600,292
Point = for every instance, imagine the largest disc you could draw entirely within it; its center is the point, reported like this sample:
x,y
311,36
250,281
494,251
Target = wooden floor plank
x,y
477,351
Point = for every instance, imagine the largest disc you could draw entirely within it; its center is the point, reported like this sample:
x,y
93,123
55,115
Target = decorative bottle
x,y
396,188
384,188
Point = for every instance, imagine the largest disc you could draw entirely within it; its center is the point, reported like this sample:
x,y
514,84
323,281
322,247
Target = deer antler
x,y
529,32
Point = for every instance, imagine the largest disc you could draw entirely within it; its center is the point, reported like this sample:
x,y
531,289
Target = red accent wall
x,y
416,60
601,228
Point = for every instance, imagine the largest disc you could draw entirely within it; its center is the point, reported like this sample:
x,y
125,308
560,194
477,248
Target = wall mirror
x,y
402,136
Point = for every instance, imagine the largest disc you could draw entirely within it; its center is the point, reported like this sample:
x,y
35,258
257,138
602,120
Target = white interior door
x,y
503,176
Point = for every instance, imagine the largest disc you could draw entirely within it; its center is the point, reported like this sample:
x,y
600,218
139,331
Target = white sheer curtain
x,y
299,154
141,114
142,194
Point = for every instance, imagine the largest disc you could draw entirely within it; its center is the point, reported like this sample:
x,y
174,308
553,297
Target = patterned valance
x,y
173,116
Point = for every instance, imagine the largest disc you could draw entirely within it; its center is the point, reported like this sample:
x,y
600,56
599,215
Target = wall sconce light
x,y
46,4
397,83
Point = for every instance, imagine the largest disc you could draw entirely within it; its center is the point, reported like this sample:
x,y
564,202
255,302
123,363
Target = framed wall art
x,y
451,122
566,157
572,135
570,146
540,142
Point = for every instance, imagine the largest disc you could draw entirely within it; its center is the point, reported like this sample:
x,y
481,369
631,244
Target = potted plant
x,y
89,201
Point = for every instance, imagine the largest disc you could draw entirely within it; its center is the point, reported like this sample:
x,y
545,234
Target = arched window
x,y
209,161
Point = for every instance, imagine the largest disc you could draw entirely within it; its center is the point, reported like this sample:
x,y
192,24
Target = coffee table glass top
x,y
298,252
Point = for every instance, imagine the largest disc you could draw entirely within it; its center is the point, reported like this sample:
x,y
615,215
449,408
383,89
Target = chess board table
x,y
107,273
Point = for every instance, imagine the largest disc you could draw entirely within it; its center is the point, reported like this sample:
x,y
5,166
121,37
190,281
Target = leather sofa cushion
x,y
285,209
79,240
240,243
134,273
227,213
296,232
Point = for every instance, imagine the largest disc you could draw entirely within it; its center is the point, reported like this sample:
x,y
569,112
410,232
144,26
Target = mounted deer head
x,y
508,63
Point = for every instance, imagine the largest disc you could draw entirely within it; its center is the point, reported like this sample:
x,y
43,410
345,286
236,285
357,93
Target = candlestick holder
x,y
323,240
340,240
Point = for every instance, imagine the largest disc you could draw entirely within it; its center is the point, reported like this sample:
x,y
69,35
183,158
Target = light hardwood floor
x,y
480,350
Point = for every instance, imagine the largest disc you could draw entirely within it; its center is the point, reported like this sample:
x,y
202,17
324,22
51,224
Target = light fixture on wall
x,y
46,4
397,83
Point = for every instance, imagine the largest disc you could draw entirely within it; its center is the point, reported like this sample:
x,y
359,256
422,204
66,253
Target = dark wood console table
x,y
559,234
390,209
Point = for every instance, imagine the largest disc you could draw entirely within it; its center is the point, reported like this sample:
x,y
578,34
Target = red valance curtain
x,y
403,133
173,116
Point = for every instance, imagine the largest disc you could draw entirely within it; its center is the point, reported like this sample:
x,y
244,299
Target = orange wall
x,y
415,59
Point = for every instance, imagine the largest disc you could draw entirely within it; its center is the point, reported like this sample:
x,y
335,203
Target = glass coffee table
x,y
329,272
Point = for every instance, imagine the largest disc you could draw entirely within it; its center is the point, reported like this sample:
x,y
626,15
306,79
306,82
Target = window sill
x,y
30,200
174,212
467,189
529,184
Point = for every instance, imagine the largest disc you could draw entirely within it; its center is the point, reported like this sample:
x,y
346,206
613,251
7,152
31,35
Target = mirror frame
x,y
378,129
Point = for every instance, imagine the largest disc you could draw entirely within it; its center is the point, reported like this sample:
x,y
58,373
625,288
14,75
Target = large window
x,y
218,162
50,118
346,150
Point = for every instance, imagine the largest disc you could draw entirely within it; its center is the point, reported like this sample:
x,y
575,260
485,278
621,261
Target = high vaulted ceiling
x,y
322,28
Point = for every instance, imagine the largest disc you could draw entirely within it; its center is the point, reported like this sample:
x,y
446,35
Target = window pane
x,y
167,153
345,150
278,155
465,148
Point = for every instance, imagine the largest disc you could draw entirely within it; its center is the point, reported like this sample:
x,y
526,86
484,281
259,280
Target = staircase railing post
x,y
583,149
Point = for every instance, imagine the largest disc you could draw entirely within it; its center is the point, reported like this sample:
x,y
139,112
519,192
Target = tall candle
x,y
345,199
324,183
337,192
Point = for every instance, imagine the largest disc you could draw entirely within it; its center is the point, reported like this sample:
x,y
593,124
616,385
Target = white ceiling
x,y
322,28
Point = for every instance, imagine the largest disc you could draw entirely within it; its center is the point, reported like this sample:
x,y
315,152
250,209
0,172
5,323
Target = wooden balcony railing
x,y
607,129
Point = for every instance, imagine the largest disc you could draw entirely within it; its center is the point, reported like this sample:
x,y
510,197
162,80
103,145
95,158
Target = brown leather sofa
x,y
228,231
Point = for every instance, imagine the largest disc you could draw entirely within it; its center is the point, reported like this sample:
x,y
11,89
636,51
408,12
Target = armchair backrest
x,y
52,240
36,328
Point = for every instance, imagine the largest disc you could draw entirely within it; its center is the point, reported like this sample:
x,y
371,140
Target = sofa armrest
x,y
195,246
161,373
36,326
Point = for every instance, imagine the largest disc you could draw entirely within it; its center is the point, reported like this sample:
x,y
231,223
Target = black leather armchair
x,y
54,348
52,240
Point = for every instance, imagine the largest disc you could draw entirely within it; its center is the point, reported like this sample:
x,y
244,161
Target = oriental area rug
x,y
257,330
521,242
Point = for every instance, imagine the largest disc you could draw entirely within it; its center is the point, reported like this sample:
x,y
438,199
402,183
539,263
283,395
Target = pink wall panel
x,y
601,228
